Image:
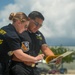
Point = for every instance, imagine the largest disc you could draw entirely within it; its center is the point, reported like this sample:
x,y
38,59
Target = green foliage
x,y
58,50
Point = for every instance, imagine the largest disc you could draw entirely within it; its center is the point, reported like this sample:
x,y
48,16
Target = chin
x,y
34,31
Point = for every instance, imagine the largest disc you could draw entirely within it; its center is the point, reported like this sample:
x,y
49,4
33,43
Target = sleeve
x,y
13,41
43,40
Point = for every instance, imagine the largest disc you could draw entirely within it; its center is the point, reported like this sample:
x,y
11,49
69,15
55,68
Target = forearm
x,y
47,51
19,54
23,56
29,63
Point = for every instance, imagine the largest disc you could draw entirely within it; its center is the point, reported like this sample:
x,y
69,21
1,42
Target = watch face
x,y
25,46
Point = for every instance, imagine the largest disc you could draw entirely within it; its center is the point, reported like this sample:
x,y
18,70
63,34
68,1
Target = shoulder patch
x,y
25,46
1,41
38,36
2,32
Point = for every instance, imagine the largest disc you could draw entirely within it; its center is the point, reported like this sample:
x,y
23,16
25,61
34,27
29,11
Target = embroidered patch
x,y
38,36
2,32
25,46
1,41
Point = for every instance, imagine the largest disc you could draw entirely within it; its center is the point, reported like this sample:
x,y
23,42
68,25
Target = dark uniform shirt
x,y
30,44
35,41
9,41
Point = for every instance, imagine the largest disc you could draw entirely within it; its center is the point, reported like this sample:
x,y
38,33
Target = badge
x,y
25,46
38,36
1,41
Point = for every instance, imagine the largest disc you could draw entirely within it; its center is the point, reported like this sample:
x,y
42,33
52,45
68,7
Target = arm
x,y
46,50
25,57
14,43
44,47
49,54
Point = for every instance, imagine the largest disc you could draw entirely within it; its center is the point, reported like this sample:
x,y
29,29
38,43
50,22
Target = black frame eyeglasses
x,y
37,24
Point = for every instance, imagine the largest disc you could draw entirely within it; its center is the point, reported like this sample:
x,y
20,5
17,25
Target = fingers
x,y
42,55
59,60
39,57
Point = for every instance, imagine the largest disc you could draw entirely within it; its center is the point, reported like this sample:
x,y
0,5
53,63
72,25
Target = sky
x,y
58,26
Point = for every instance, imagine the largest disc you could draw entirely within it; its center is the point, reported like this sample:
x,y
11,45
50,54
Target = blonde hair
x,y
18,16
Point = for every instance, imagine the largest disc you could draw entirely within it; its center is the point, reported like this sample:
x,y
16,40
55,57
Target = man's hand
x,y
59,59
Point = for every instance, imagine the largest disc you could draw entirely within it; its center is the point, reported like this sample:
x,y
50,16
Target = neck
x,y
29,31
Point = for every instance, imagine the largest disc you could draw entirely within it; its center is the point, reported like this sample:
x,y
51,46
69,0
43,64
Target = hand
x,y
59,59
39,57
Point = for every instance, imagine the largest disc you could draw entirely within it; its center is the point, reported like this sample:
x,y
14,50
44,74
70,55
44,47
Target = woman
x,y
10,42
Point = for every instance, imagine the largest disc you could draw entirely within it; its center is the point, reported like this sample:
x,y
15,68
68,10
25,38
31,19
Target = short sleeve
x,y
43,39
13,41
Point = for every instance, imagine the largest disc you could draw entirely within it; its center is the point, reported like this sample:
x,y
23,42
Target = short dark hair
x,y
35,14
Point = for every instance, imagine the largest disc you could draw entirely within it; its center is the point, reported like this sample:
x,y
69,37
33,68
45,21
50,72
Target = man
x,y
36,20
32,42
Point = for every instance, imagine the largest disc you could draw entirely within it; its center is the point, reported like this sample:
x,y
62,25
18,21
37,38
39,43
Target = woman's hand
x,y
39,57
